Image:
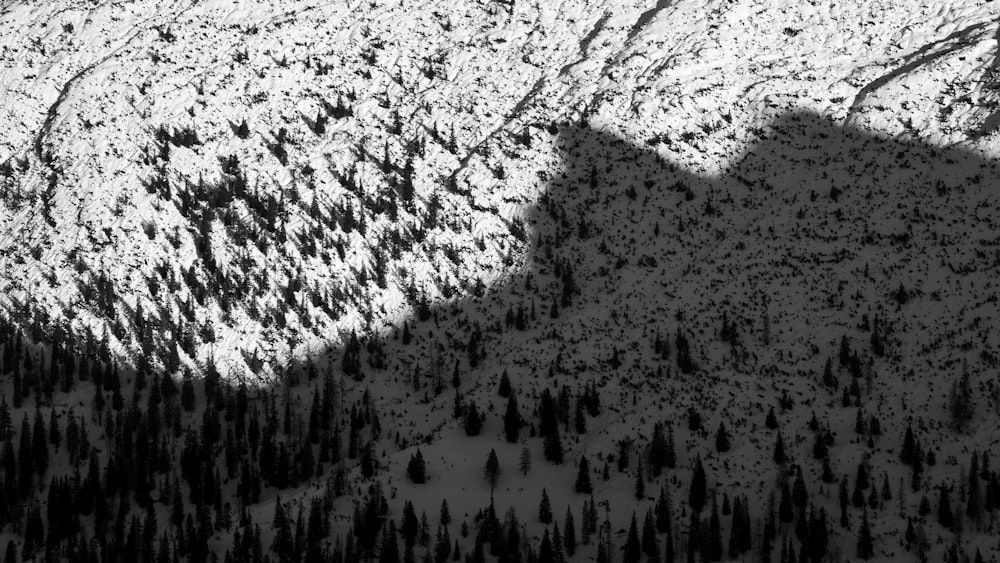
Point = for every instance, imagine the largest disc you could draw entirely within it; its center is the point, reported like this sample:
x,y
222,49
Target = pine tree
x,y
907,452
670,457
545,553
187,393
960,404
663,510
504,389
473,421
640,483
55,437
579,417
442,545
569,533
786,512
558,555
545,508
524,462
458,408
866,548
390,549
842,496
722,439
779,450
800,496
553,448
714,533
771,421
416,470
657,451
410,526
973,504
583,484
696,494
945,515
820,449
633,547
39,445
828,378
492,469
511,420
735,530
445,514
649,543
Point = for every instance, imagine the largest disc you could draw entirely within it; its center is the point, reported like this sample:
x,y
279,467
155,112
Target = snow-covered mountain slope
x,y
123,120
562,191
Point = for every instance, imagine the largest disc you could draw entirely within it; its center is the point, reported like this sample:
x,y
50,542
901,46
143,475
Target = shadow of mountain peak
x,y
822,228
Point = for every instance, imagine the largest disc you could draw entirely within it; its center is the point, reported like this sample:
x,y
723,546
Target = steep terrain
x,y
716,207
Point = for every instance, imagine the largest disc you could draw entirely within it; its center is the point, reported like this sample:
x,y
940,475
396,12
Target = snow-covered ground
x,y
791,160
85,88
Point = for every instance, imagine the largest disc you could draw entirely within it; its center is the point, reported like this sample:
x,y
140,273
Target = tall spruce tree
x,y
583,484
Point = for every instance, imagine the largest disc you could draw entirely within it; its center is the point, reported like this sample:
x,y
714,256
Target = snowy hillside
x,y
699,211
337,98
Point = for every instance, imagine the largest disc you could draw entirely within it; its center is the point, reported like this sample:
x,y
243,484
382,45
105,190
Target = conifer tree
x,y
828,378
583,484
558,555
504,389
55,437
670,458
410,526
663,510
945,515
779,450
511,420
714,533
696,494
458,408
722,439
649,544
545,553
492,469
640,482
524,462
416,470
960,403
657,451
866,547
771,420
800,496
545,508
569,533
786,512
442,545
473,421
633,547
445,514
735,529
553,448
390,548
187,393
579,418
39,445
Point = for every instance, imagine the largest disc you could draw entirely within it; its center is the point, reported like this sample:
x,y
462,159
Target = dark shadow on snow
x,y
799,216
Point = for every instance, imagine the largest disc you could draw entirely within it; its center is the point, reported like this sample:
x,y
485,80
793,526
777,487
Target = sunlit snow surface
x,y
86,87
